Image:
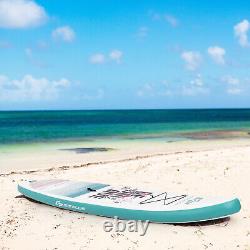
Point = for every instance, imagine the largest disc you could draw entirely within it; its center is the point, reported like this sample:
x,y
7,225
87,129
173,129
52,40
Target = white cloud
x,y
174,22
146,90
3,79
230,80
217,54
198,82
192,58
30,88
240,31
234,91
116,55
149,90
98,58
233,85
196,87
62,83
18,14
64,33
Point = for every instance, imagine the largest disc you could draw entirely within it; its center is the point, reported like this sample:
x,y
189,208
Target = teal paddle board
x,y
128,202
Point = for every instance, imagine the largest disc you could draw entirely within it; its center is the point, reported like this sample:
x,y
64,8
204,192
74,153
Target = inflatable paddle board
x,y
127,202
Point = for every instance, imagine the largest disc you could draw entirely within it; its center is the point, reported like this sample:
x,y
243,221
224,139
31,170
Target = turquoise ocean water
x,y
39,126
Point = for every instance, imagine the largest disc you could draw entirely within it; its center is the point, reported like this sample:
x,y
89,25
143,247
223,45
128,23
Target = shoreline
x,y
131,158
53,155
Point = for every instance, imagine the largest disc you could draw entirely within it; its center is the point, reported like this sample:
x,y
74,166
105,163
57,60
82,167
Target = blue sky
x,y
124,54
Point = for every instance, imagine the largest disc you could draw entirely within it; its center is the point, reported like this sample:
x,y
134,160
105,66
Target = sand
x,y
214,167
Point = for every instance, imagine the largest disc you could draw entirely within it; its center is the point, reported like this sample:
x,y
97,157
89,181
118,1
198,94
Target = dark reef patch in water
x,y
87,150
216,134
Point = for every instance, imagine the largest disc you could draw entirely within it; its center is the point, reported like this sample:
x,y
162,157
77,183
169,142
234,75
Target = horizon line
x,y
122,109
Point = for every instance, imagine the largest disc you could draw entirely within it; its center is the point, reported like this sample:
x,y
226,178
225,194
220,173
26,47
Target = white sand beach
x,y
204,167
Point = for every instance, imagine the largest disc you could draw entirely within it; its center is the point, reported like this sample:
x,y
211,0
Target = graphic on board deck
x,y
163,198
122,194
